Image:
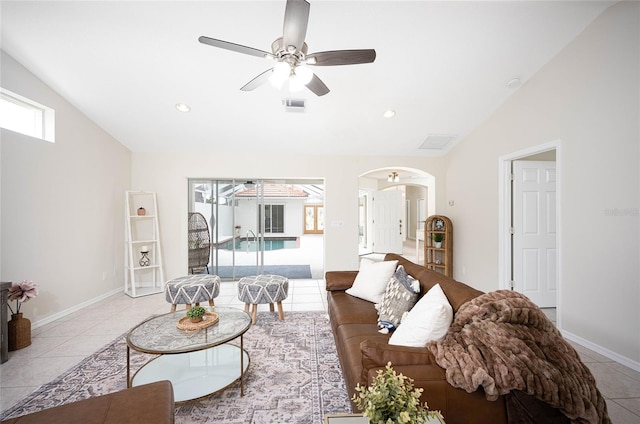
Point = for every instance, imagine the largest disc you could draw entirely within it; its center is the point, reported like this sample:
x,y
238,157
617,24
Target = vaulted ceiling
x,y
443,67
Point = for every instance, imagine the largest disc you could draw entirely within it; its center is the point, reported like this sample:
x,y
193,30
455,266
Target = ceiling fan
x,y
290,53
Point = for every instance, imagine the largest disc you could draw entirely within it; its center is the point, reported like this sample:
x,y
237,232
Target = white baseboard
x,y
74,308
627,362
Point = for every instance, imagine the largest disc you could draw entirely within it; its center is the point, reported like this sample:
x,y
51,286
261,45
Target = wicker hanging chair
x,y
199,243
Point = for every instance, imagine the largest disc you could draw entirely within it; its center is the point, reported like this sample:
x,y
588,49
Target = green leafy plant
x,y
392,399
437,237
196,312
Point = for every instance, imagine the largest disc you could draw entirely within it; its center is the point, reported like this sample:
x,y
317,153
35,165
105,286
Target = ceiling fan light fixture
x,y
389,113
295,84
393,177
300,77
281,72
303,74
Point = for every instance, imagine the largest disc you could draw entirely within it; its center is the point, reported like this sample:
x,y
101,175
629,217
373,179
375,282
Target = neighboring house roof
x,y
274,190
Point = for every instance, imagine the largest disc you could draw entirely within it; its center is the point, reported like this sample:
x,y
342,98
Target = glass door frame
x,y
231,236
234,209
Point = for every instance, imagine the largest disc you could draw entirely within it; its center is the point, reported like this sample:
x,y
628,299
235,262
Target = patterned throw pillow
x,y
399,297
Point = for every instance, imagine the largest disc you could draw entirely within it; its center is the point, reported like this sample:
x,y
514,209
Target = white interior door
x,y
387,222
534,271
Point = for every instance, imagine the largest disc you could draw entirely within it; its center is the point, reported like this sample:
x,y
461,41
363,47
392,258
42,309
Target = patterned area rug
x,y
294,377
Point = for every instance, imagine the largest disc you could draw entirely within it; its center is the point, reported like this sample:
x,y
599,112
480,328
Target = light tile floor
x,y
63,343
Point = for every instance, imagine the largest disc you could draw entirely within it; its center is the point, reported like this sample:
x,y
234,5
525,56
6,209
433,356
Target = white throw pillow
x,y
428,320
372,279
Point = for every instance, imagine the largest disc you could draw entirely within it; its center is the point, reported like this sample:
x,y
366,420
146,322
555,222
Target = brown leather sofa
x,y
363,350
147,404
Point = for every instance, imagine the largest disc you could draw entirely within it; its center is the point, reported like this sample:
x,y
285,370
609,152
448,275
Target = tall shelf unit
x,y
438,255
143,253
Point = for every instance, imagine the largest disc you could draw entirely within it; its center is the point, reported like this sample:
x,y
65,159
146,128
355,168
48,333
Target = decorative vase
x,y
144,259
19,332
142,211
194,320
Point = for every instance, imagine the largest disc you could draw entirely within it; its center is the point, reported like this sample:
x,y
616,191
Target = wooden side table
x,y
4,336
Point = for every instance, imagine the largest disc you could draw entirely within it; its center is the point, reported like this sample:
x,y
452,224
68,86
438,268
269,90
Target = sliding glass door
x,y
232,211
254,222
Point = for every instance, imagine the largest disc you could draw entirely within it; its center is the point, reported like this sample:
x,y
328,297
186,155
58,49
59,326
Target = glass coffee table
x,y
198,363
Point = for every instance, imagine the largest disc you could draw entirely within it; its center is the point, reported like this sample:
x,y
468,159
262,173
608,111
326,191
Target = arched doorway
x,y
393,204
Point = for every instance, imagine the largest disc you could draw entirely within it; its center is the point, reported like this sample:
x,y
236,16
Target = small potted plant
x,y
437,239
142,211
196,313
392,399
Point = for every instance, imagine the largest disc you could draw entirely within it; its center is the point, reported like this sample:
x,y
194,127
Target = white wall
x,y
293,216
588,98
167,175
62,204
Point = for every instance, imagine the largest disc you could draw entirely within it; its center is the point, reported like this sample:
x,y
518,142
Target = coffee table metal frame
x,y
160,336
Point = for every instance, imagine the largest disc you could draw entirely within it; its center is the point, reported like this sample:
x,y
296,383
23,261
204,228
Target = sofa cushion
x,y
378,352
372,280
428,320
399,297
352,310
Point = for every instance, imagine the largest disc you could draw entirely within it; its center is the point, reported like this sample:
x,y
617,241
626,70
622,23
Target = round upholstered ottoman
x,y
260,289
192,289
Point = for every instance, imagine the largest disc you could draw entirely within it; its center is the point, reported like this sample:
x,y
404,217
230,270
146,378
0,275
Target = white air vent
x,y
437,141
292,105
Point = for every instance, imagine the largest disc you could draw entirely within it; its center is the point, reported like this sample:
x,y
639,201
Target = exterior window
x,y
313,219
274,218
25,116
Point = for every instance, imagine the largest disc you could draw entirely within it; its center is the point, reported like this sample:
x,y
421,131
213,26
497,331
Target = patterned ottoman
x,y
192,289
260,289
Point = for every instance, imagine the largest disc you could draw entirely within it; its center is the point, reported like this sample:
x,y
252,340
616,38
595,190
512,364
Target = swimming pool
x,y
270,243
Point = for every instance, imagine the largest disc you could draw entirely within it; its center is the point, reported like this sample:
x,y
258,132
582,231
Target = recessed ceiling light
x,y
389,113
513,83
182,107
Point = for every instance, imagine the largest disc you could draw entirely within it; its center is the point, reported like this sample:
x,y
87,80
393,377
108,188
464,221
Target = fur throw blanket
x,y
502,341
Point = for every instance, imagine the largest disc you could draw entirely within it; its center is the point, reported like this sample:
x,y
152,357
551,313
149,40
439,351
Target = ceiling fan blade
x,y
317,86
296,18
234,47
341,57
258,81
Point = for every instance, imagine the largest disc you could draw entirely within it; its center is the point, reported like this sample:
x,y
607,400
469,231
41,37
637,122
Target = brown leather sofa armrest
x,y
339,280
377,352
149,403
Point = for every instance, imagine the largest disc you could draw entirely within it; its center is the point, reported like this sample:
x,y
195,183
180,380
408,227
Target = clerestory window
x,y
25,116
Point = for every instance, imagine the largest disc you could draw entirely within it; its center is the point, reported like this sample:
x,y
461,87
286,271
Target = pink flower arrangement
x,y
21,292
